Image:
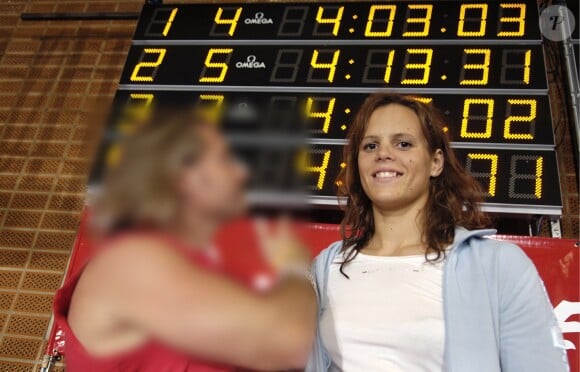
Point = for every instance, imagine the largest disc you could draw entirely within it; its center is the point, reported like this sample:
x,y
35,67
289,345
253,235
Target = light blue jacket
x,y
497,313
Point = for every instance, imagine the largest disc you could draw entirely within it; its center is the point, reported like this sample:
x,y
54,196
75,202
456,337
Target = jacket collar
x,y
462,235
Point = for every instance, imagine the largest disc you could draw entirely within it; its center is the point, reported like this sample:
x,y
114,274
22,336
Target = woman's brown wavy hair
x,y
454,196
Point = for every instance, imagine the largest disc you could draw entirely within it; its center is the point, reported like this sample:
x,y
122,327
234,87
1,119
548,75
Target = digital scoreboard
x,y
280,71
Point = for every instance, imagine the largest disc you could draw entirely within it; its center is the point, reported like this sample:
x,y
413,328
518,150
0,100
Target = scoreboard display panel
x,y
447,20
344,66
273,72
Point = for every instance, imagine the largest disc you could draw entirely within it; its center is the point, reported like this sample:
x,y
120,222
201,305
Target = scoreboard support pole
x,y
571,77
573,91
556,228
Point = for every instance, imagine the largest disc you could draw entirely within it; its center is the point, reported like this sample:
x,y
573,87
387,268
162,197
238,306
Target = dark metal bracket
x,y
79,16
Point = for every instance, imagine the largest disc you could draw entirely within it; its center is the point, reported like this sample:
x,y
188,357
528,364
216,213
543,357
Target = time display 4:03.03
x,y
405,20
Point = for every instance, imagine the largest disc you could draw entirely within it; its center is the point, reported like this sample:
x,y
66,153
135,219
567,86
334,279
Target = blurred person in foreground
x,y
414,285
154,297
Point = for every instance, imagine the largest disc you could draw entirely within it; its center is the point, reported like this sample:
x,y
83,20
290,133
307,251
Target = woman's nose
x,y
384,153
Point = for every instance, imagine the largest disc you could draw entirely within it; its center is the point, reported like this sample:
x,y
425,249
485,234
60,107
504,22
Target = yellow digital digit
x,y
376,60
214,111
425,100
159,18
492,175
169,21
336,20
527,62
426,66
530,118
326,115
153,64
209,64
305,166
389,21
517,178
140,111
484,67
539,173
426,20
134,113
147,99
508,67
330,66
520,19
233,22
465,133
389,68
462,18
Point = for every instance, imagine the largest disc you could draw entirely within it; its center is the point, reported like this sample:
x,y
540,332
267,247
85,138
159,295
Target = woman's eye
x,y
404,144
370,146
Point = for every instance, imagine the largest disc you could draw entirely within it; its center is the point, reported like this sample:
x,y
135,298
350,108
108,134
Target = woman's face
x,y
394,160
215,184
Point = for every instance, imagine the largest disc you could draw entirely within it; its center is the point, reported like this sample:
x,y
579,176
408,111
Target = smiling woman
x,y
412,286
395,135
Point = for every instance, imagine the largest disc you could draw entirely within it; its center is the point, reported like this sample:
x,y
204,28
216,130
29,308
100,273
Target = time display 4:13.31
x,y
451,67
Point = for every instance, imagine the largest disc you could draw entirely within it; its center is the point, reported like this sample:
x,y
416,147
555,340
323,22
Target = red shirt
x,y
152,356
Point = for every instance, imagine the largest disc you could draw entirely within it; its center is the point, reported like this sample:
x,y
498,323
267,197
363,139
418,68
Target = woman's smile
x,y
386,175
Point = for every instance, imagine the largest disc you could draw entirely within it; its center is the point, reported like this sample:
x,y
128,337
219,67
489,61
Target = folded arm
x,y
151,287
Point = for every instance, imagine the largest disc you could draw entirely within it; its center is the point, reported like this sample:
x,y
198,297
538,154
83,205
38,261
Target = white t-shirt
x,y
387,317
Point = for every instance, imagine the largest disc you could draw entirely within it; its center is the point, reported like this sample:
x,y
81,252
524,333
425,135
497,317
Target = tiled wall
x,y
56,78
